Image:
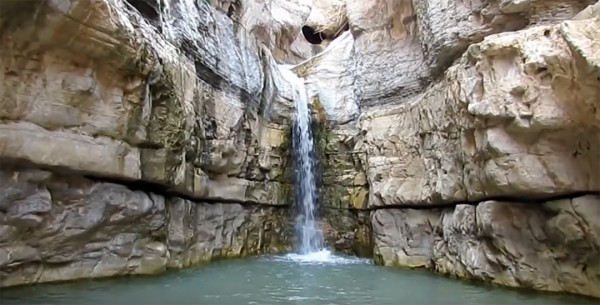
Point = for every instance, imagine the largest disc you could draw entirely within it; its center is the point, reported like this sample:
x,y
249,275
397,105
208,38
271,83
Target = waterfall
x,y
311,237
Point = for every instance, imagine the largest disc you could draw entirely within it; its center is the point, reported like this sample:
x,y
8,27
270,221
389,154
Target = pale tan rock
x,y
593,10
447,28
276,24
385,35
150,92
441,107
404,237
175,96
101,92
329,80
327,17
515,117
415,41
552,247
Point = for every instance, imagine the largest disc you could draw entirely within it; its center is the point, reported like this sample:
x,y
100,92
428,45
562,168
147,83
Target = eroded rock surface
x,y
430,104
347,231
276,24
132,91
56,227
137,136
517,116
551,246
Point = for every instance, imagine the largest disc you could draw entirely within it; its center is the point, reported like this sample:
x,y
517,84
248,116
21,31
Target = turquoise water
x,y
290,279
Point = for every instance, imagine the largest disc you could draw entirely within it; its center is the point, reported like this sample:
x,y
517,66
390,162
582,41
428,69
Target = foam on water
x,y
321,257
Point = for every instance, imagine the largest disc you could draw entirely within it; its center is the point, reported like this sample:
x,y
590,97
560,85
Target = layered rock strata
x,y
515,117
136,136
62,227
187,103
470,133
550,246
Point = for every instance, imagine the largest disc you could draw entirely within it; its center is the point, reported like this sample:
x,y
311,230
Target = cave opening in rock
x,y
144,8
311,35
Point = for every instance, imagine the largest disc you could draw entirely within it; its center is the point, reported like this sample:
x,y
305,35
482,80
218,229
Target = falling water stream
x,y
310,236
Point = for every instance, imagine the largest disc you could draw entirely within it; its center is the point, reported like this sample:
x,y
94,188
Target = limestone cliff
x,y
63,227
136,136
469,131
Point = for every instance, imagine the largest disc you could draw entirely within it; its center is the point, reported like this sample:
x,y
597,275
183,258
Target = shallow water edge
x,y
318,278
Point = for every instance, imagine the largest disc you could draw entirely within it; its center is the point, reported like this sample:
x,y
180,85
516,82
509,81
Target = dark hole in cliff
x,y
311,35
234,9
144,8
345,28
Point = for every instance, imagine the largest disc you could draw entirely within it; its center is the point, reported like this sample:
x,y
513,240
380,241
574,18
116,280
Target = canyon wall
x,y
137,136
470,133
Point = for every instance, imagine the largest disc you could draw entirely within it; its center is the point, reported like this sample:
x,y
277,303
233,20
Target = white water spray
x,y
311,237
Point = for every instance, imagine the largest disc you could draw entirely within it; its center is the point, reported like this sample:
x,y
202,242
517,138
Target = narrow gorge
x,y
458,137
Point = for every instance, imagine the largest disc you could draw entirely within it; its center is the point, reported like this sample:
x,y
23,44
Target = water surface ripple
x,y
320,279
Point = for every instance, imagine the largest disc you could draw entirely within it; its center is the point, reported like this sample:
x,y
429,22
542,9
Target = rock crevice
x,y
506,199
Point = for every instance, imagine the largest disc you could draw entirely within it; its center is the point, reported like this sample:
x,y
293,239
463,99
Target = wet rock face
x,y
343,193
551,246
347,231
63,227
